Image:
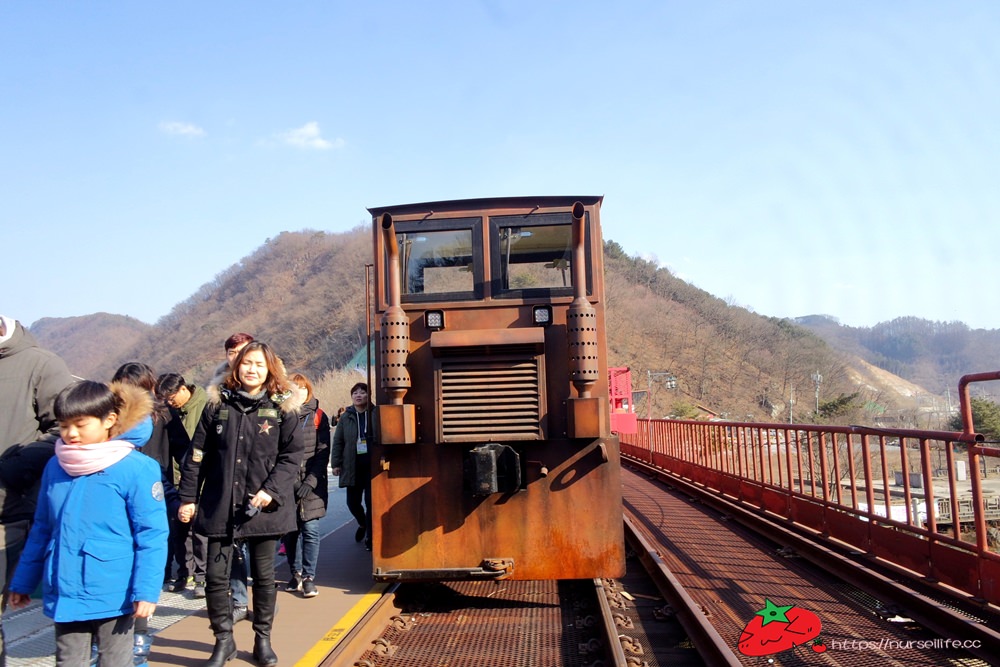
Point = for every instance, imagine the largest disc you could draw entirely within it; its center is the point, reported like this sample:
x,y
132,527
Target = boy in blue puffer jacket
x,y
98,543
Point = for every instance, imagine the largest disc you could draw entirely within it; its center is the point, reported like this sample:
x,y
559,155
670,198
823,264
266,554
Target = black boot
x,y
225,650
220,619
263,655
264,606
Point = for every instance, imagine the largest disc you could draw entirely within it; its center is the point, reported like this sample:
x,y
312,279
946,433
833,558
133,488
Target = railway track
x,y
730,562
635,621
499,623
631,622
696,576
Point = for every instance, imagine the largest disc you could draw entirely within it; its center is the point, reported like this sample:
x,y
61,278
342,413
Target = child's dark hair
x,y
140,375
85,399
359,385
137,374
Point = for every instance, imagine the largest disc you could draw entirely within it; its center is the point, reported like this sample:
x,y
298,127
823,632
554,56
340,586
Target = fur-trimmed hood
x,y
217,379
136,406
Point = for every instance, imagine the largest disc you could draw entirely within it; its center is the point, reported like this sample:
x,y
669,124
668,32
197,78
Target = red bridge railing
x,y
926,501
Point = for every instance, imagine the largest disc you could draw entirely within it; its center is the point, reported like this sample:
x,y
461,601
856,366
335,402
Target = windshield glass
x,y
436,262
535,257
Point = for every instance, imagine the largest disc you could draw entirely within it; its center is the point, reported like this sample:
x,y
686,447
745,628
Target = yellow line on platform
x,y
322,648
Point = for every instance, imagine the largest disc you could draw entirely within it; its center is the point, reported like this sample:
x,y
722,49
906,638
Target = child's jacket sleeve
x,y
148,512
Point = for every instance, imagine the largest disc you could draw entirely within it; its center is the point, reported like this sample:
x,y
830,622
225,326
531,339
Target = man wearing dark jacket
x,y
30,380
351,462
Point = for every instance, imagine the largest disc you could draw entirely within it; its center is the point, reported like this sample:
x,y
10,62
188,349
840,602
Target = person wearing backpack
x,y
310,491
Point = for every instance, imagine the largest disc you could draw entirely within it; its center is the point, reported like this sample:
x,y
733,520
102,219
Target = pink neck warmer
x,y
79,460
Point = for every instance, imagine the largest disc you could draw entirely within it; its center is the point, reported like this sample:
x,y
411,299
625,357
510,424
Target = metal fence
x,y
926,501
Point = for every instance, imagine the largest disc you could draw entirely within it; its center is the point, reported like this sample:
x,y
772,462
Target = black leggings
x,y
220,553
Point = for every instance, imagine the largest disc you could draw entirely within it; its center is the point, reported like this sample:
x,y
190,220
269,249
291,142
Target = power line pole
x,y
669,381
818,379
791,402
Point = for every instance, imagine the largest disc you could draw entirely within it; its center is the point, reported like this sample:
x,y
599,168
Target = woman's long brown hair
x,y
276,381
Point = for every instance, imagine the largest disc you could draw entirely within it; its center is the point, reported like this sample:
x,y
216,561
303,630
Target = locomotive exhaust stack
x,y
397,420
588,415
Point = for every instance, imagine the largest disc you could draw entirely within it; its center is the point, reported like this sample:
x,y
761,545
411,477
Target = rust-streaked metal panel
x,y
588,417
909,551
488,337
397,424
566,523
730,485
953,567
753,494
773,501
989,575
848,529
806,512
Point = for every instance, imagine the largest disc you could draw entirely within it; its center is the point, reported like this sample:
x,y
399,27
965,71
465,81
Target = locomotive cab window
x,y
533,256
438,263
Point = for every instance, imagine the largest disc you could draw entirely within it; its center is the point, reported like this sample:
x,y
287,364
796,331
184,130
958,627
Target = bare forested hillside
x,y
931,354
304,293
88,342
725,358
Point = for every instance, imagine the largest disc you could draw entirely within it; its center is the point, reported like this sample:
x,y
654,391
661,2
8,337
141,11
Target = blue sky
x,y
791,157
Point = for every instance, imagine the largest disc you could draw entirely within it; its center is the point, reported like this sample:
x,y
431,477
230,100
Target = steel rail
x,y
710,644
365,632
615,649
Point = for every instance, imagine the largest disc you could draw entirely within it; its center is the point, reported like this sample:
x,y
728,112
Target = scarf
x,y
242,400
79,460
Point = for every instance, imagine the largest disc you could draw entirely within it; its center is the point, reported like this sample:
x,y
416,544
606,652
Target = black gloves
x,y
302,491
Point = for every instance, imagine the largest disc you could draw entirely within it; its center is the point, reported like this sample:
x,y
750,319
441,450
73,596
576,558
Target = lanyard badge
x,y
362,433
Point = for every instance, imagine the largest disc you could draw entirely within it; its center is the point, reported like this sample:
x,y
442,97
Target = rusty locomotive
x,y
494,457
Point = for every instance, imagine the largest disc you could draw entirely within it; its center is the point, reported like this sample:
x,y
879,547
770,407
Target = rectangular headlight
x,y
434,319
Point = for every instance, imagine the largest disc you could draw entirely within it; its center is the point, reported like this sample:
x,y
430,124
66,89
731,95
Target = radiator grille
x,y
490,398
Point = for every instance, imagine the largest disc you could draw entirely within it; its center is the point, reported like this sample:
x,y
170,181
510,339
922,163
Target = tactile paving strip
x,y
35,645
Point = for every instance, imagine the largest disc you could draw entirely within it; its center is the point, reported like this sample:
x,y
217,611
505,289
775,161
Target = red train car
x,y
623,417
495,457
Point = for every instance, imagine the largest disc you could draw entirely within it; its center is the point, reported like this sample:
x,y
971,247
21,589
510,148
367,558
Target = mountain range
x,y
305,293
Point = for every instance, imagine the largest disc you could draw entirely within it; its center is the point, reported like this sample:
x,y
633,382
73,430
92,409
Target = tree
x,y
985,419
684,410
839,406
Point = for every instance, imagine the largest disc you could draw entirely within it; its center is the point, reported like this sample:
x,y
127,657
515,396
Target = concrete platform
x,y
343,579
304,631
